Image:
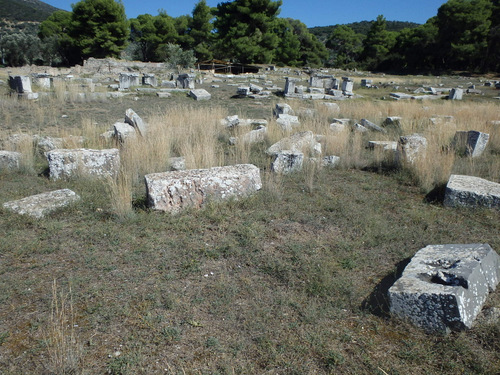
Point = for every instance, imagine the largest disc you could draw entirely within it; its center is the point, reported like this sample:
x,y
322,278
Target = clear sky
x,y
310,12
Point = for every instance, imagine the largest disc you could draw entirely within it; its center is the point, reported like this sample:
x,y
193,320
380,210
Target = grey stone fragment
x,y
287,122
282,109
169,84
456,94
411,148
175,191
128,80
393,122
359,128
330,161
200,94
136,121
10,160
383,145
163,95
371,126
287,161
83,163
254,136
471,143
445,286
186,81
469,191
177,163
124,131
149,79
20,84
304,142
243,91
38,206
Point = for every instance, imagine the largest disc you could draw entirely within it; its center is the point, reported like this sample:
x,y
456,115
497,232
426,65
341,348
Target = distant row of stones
x,y
288,155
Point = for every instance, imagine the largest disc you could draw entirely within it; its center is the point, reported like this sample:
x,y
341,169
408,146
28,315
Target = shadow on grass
x,y
436,195
377,302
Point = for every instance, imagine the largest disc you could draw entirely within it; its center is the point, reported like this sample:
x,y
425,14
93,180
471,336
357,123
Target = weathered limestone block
x,y
177,163
471,143
456,94
10,160
347,85
83,163
149,79
371,126
43,80
332,107
256,89
287,162
243,91
176,191
254,136
231,121
383,145
252,122
169,84
304,142
40,205
136,121
445,286
200,94
20,84
366,83
469,191
186,81
330,161
124,131
411,148
287,122
359,128
282,109
392,122
128,80
290,84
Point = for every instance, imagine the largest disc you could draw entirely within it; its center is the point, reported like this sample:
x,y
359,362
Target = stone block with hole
x,y
444,287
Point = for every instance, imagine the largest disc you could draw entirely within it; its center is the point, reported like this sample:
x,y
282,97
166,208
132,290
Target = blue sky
x,y
310,12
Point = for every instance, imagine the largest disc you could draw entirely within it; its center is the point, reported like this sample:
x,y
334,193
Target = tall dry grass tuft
x,y
62,345
120,191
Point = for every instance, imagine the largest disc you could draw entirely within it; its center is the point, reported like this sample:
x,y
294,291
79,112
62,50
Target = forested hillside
x,y
25,10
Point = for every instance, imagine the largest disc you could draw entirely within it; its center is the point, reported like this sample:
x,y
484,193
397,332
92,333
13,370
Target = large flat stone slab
x,y
40,205
179,190
469,191
445,286
71,163
301,142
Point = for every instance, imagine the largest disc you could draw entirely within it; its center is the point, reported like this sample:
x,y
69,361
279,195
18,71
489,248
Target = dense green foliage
x,y
464,35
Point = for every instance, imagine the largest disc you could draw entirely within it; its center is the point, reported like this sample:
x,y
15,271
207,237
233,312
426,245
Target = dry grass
x,y
62,345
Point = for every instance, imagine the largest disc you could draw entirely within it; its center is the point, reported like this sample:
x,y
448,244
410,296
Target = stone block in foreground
x,y
445,286
469,191
179,190
71,163
38,206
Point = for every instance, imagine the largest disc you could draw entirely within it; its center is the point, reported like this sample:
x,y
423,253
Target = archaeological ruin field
x,y
291,276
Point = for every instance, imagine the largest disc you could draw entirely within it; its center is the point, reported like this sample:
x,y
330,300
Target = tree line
x,y
464,35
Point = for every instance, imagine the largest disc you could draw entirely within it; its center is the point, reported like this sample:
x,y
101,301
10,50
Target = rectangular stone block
x,y
71,163
469,191
200,94
470,143
176,191
445,286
